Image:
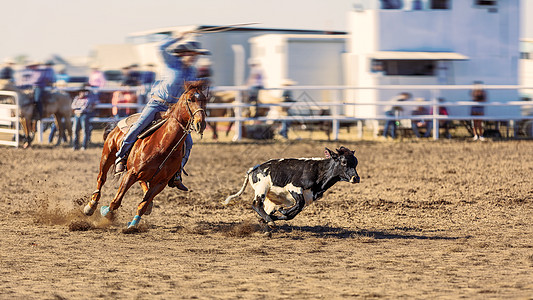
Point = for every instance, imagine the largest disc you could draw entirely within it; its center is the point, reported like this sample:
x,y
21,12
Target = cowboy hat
x,y
190,46
34,63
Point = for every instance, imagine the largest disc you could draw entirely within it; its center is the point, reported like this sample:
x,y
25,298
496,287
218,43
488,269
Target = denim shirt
x,y
46,77
174,74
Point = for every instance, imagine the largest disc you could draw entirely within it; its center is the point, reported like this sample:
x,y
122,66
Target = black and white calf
x,y
288,185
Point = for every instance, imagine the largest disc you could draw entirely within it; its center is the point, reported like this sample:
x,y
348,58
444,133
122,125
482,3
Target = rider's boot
x,y
177,183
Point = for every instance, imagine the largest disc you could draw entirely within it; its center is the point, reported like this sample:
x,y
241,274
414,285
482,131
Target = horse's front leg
x,y
146,203
127,181
60,129
106,162
26,126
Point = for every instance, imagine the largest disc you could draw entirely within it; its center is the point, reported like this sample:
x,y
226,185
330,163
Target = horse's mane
x,y
189,86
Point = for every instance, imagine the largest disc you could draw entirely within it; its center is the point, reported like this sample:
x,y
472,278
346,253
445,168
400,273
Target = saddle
x,y
125,124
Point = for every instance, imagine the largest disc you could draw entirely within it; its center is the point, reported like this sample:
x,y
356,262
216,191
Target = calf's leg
x,y
257,205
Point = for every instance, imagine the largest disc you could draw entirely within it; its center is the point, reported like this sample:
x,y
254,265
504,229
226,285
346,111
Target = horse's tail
x,y
246,179
108,129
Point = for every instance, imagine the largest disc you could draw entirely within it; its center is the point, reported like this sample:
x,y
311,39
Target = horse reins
x,y
186,131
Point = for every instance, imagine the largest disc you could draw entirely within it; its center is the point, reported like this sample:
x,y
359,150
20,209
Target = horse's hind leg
x,y
60,129
147,201
144,186
106,162
229,128
68,127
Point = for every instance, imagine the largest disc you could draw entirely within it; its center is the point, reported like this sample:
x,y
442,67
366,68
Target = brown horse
x,y
230,97
221,97
57,104
154,160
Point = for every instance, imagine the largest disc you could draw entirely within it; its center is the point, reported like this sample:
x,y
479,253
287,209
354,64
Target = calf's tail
x,y
228,200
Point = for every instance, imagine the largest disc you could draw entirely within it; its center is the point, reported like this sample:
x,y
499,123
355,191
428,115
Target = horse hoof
x,y
105,212
267,234
271,224
135,222
88,210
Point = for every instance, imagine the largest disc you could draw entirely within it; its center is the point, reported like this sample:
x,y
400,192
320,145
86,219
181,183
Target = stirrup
x,y
120,166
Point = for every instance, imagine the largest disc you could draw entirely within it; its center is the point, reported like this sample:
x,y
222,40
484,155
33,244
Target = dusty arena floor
x,y
446,219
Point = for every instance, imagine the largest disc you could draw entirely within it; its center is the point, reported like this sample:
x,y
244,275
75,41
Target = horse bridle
x,y
191,113
186,130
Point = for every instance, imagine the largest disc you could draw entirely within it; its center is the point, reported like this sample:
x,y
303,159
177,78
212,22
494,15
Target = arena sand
x,y
446,219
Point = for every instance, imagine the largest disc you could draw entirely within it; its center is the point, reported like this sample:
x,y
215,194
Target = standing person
x,y
96,77
255,84
179,68
27,77
478,94
83,106
7,71
415,124
394,111
287,98
45,79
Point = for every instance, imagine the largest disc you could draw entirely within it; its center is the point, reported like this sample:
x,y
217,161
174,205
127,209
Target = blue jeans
x,y
390,124
414,126
81,122
38,95
284,128
147,116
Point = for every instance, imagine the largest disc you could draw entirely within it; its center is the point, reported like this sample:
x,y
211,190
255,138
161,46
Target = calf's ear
x,y
330,154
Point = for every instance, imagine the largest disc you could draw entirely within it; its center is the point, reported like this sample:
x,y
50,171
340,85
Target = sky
x,y
40,28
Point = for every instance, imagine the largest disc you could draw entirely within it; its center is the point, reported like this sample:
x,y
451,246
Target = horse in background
x,y
230,97
56,103
155,159
221,97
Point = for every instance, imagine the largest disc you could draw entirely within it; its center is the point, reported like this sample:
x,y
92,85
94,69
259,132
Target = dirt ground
x,y
446,219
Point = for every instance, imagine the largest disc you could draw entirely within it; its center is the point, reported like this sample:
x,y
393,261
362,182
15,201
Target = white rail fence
x,y
9,120
335,107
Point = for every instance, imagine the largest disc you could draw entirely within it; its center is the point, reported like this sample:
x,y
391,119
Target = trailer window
x,y
407,67
440,4
485,3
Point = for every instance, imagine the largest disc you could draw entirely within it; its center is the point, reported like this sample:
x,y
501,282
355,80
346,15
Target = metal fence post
x,y
335,122
435,106
238,115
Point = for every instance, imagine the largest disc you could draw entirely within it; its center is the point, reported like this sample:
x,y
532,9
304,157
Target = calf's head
x,y
344,164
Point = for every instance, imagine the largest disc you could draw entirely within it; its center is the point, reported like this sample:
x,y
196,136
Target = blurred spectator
x,y
96,77
123,97
45,79
255,83
478,95
7,72
391,4
26,78
287,98
415,124
131,76
394,111
83,105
